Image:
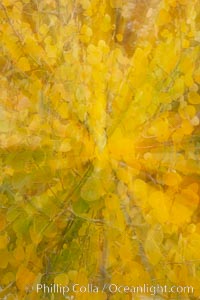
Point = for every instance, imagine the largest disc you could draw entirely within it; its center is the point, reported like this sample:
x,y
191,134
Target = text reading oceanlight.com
x,y
113,288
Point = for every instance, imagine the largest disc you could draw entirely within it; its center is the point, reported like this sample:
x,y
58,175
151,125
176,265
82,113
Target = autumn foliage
x,y
99,144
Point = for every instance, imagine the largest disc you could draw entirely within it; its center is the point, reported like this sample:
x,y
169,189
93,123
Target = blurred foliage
x,y
99,144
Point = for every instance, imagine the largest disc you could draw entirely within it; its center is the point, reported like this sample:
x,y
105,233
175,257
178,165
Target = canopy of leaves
x,y
99,144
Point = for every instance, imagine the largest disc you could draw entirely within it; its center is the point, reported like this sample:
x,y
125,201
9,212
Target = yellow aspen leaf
x,y
65,146
4,241
2,221
172,179
8,278
9,171
195,121
139,57
191,192
157,200
94,55
163,17
35,123
61,279
119,37
121,147
51,231
183,2
116,3
192,249
82,93
23,103
187,111
92,189
60,129
125,250
51,50
82,276
156,233
85,34
24,278
194,88
197,76
194,98
4,258
178,87
187,127
32,47
167,62
183,27
85,4
185,43
165,98
13,47
172,3
140,189
63,110
12,141
186,64
178,135
72,275
103,47
152,251
112,202
191,228
12,296
124,176
145,95
183,206
122,59
24,64
43,29
7,2
106,23
117,75
160,129
148,156
19,253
